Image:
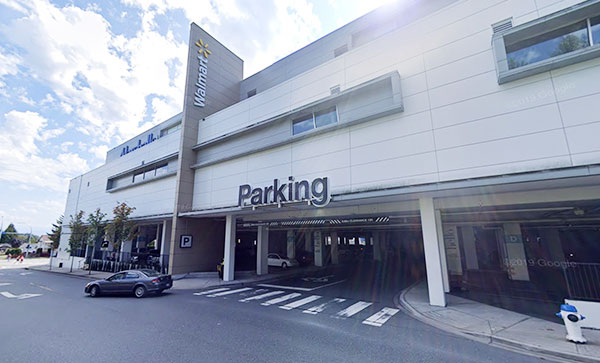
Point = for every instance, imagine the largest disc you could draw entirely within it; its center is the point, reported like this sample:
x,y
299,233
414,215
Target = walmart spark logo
x,y
203,48
203,53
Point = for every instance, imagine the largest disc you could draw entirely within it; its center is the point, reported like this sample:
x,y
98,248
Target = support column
x,y
468,241
318,249
433,263
334,249
376,246
442,247
262,250
291,246
165,243
308,246
515,260
229,253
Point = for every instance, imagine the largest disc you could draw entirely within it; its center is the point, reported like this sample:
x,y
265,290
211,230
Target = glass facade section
x,y
304,124
161,170
560,41
325,117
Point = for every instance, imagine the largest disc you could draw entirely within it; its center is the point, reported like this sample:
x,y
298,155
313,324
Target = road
x,y
47,318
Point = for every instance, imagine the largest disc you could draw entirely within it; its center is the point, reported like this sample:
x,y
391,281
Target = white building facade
x,y
460,133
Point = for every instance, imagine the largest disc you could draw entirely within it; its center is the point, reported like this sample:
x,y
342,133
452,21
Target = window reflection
x,y
304,124
595,23
325,117
548,45
318,119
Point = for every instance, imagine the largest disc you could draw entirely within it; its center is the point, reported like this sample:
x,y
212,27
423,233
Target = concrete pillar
x,y
308,244
433,263
229,253
515,260
165,243
318,249
376,246
468,242
291,246
334,249
442,248
262,250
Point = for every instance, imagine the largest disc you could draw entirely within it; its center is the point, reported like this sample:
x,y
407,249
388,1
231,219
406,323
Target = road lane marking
x,y
211,291
25,273
262,296
229,292
5,283
18,297
300,302
353,309
319,308
282,299
300,288
380,317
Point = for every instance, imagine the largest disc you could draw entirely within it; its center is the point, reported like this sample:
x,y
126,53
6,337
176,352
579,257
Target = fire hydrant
x,y
572,320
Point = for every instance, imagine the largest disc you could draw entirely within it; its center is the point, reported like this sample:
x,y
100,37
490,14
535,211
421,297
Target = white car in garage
x,y
283,262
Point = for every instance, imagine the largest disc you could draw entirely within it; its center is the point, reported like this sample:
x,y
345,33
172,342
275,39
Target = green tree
x,y
569,44
78,232
95,231
9,236
121,228
54,235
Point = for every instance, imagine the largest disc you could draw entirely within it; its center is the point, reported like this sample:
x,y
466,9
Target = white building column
x,y
433,263
262,251
229,253
442,247
291,247
516,260
334,249
468,240
318,248
308,246
165,242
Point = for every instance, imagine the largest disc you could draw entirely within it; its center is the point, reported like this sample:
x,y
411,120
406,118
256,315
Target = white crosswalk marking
x,y
353,309
5,283
380,317
18,297
229,292
319,308
262,296
300,302
281,299
211,291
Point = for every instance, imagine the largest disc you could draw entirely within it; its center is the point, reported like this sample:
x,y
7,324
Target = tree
x,y
568,44
95,231
54,235
121,228
78,231
9,236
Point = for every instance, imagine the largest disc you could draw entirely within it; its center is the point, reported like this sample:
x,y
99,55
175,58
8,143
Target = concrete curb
x,y
508,344
84,277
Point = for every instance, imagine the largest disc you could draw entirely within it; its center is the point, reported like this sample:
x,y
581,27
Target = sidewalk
x,y
500,327
190,281
28,262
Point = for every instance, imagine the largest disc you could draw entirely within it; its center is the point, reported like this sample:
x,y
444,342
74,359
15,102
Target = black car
x,y
137,282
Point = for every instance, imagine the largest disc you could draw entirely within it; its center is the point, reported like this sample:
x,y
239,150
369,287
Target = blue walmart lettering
x,y
127,149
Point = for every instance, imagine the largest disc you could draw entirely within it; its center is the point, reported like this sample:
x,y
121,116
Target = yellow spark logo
x,y
203,48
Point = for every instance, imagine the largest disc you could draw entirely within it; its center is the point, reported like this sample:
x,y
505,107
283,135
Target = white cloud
x,y
24,164
99,151
37,215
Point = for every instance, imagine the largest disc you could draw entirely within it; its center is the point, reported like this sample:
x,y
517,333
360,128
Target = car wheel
x,y
139,291
284,265
94,291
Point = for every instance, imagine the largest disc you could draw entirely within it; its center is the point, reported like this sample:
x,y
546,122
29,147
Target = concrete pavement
x,y
498,326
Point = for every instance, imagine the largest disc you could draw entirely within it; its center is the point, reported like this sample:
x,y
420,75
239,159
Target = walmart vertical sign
x,y
203,53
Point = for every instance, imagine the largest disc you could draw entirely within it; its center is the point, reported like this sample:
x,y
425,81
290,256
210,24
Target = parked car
x,y
305,258
277,260
136,282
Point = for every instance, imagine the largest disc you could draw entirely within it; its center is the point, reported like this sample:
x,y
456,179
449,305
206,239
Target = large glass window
x,y
170,130
325,117
315,120
161,170
548,45
595,25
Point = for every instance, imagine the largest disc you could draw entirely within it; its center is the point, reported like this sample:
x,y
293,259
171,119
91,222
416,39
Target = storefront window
x,y
548,45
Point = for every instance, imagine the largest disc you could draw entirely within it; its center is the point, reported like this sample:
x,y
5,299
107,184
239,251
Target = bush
x,y
14,251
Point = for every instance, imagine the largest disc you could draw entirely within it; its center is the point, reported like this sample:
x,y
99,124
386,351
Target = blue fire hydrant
x,y
572,321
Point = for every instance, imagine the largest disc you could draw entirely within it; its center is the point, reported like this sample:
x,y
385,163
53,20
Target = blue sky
x,y
78,78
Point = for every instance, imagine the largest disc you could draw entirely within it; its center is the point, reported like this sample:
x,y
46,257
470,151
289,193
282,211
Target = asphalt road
x,y
56,322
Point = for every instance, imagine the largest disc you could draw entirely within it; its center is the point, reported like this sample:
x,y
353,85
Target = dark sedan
x,y
138,282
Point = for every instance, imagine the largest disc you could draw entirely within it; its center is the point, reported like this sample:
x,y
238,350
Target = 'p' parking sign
x,y
186,241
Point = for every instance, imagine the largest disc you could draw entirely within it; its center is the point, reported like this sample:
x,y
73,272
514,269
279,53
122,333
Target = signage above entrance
x,y
317,192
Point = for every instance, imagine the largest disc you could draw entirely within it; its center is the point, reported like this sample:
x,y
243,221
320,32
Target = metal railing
x,y
119,261
583,280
